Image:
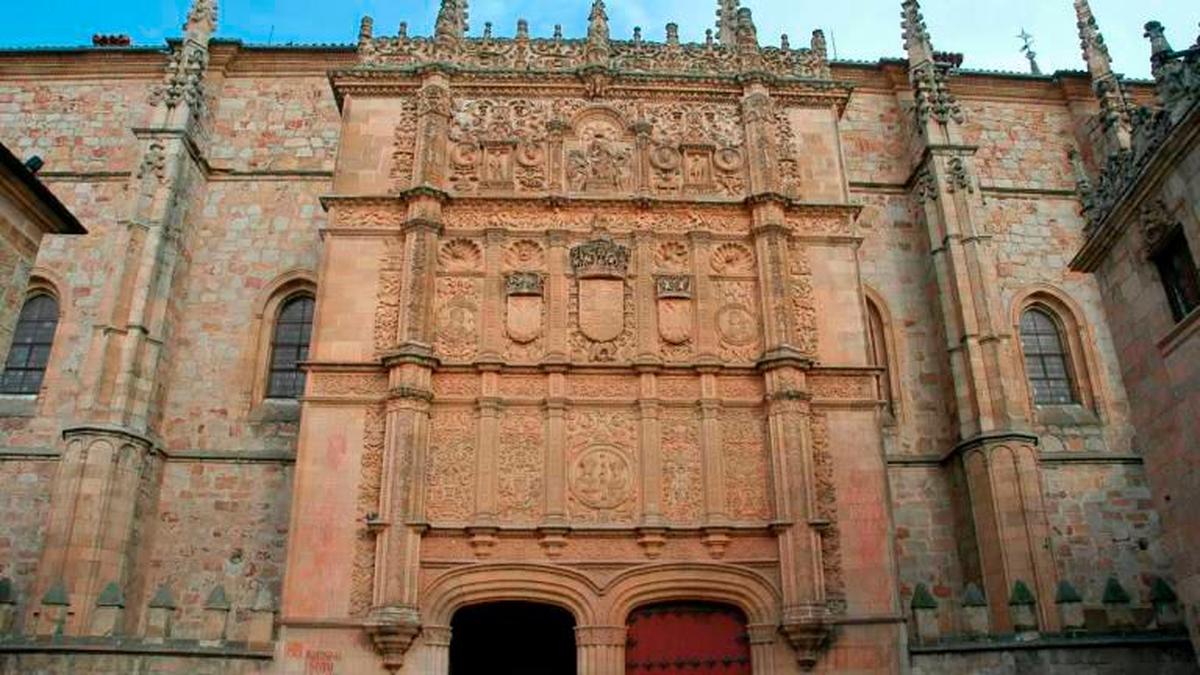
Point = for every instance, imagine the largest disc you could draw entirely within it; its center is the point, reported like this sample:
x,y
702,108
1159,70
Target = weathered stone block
x,y
1116,603
975,613
1022,606
925,613
159,615
1070,607
110,609
216,616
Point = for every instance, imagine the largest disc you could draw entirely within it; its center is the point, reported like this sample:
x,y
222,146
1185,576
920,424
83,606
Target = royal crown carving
x,y
524,283
600,258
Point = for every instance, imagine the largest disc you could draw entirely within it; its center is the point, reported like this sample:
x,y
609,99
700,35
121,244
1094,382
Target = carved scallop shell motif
x,y
732,259
460,255
672,256
524,255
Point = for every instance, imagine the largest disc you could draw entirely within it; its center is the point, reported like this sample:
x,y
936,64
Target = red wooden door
x,y
687,637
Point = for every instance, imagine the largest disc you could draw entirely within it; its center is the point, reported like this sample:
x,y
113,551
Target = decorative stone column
x,y
436,640
600,649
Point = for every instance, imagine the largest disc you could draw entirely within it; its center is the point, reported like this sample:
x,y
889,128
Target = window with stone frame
x,y
25,367
289,347
1177,269
1047,364
880,354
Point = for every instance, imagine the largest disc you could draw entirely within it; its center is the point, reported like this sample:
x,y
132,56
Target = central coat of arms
x,y
523,306
600,266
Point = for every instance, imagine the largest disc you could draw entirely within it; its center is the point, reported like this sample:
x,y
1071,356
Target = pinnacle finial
x,y
747,33
597,39
1114,106
727,21
201,19
451,23
916,34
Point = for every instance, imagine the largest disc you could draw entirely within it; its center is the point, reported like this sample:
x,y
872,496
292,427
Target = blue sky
x,y
984,30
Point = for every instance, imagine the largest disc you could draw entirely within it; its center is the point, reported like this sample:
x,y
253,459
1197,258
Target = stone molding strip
x,y
182,648
1093,642
923,461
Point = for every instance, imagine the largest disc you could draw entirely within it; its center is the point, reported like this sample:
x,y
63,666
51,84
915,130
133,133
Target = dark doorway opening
x,y
512,638
696,638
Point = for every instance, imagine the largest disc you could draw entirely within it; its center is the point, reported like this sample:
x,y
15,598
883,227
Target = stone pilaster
x,y
104,484
436,640
998,449
600,649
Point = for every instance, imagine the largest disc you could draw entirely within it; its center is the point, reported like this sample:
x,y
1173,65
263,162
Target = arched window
x,y
289,347
1046,359
880,358
30,351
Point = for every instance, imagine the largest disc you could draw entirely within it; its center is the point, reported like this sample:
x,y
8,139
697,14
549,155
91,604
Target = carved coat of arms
x,y
675,318
523,306
600,266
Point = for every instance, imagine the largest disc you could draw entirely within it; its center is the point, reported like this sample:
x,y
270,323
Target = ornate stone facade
x,y
600,324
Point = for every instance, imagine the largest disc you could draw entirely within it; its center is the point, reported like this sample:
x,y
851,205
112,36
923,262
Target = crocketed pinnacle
x,y
916,35
451,23
727,21
598,27
201,20
1114,105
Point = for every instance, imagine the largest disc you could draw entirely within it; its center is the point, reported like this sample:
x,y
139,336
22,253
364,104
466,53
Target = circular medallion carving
x,y
736,325
601,478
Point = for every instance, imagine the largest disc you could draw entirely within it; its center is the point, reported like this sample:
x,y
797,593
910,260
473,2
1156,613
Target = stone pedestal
x,y
8,606
110,609
1070,608
54,612
216,616
1022,611
261,628
925,616
1116,604
158,615
976,617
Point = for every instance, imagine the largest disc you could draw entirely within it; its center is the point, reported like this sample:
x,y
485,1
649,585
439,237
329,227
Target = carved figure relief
x,y
697,149
737,320
601,477
524,254
523,309
521,465
404,145
498,145
599,157
450,469
387,298
457,318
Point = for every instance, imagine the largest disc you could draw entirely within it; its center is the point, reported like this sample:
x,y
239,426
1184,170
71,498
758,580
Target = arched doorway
x,y
512,638
697,638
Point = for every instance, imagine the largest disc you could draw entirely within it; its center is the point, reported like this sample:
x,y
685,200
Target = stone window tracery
x,y
289,347
32,340
1047,363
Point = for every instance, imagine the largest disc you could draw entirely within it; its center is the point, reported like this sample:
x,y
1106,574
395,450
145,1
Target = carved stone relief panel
x,y
404,145
602,306
520,464
831,544
682,479
456,385
744,455
363,574
387,299
498,145
599,157
602,466
803,299
457,318
696,149
676,315
450,469
738,324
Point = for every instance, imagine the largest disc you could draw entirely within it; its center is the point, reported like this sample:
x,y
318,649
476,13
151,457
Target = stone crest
x,y
600,266
523,306
675,316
